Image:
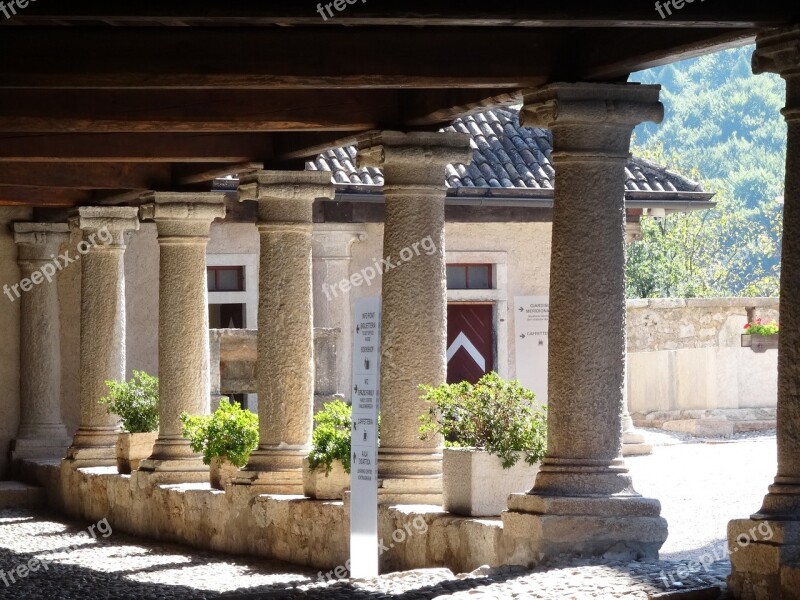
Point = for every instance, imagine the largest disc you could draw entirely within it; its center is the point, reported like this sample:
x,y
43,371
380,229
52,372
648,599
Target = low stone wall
x,y
685,362
290,528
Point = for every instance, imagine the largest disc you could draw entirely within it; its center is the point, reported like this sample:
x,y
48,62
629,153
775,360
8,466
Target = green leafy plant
x,y
761,327
135,402
331,438
495,415
231,432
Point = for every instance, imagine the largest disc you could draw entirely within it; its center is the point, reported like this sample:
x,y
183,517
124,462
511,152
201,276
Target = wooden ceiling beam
x,y
307,145
281,58
193,111
42,196
198,173
85,176
569,13
426,108
136,147
658,48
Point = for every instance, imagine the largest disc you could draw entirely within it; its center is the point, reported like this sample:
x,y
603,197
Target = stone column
x,y
332,243
285,361
42,433
102,328
183,221
414,321
633,440
583,501
764,549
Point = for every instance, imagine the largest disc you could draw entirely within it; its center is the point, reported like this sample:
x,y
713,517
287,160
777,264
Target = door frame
x,y
498,297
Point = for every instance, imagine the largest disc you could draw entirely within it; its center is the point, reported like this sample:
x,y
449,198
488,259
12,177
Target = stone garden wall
x,y
685,362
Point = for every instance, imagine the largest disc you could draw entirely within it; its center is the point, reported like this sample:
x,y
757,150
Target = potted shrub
x,y
225,438
495,437
135,402
326,472
760,335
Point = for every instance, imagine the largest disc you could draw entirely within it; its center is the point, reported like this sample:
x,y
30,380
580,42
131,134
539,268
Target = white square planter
x,y
133,448
321,486
476,485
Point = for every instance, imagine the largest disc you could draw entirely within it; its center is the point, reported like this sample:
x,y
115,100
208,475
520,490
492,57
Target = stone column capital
x,y
107,225
413,160
777,51
286,196
38,241
592,119
332,241
183,214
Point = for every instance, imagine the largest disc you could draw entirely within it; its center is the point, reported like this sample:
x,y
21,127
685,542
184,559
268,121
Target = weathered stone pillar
x,y
285,362
414,321
583,500
633,440
183,221
42,433
102,328
332,243
765,549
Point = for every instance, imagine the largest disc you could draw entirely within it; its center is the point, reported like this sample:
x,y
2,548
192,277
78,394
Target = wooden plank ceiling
x,y
101,99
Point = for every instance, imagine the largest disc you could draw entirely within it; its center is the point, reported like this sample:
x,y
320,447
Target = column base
x,y
410,476
765,559
590,478
782,501
411,490
158,471
273,470
633,444
40,446
93,448
288,482
173,461
541,527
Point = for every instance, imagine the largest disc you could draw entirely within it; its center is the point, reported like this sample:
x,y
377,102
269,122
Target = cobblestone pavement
x,y
701,486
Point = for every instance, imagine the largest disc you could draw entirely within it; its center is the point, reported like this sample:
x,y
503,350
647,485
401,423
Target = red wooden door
x,y
470,342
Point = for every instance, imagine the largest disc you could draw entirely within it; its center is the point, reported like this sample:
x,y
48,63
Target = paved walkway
x,y
701,487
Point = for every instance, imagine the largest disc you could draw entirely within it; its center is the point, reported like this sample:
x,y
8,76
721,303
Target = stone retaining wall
x,y
290,528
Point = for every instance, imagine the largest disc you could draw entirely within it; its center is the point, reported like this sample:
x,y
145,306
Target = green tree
x,y
722,127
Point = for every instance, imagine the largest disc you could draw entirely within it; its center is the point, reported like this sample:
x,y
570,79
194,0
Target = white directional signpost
x,y
364,446
531,326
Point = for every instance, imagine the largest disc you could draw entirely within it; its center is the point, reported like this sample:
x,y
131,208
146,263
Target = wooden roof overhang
x,y
99,100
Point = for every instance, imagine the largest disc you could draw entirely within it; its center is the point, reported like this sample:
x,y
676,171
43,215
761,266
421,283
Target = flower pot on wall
x,y
476,485
222,472
133,448
325,486
760,343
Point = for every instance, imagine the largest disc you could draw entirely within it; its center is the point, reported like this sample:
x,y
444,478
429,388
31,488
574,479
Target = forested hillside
x,y
722,127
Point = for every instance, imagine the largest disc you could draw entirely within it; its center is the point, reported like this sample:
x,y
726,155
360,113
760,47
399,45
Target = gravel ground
x,y
701,485
704,484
